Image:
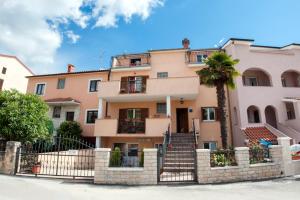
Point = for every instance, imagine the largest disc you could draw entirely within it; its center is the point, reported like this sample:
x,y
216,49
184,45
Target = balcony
x,y
152,127
154,89
131,62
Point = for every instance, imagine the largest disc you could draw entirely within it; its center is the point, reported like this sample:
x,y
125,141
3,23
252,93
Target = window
x,y
1,84
162,74
283,81
70,116
94,85
91,116
61,83
56,111
4,70
290,110
133,149
40,88
208,114
210,145
201,58
161,108
134,114
135,61
251,81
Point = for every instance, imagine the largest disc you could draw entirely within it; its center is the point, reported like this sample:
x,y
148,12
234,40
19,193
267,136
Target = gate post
x,y
11,157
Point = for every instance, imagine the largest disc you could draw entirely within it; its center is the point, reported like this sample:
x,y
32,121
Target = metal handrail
x,y
166,143
194,132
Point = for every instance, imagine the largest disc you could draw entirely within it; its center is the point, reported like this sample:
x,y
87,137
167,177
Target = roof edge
x,y
15,57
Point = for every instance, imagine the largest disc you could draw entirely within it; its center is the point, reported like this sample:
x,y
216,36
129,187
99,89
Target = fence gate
x,y
65,157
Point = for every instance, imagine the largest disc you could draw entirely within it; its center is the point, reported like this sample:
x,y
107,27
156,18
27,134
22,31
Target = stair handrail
x,y
194,132
166,143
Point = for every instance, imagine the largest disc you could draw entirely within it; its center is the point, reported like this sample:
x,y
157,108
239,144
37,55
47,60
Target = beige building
x,y
13,73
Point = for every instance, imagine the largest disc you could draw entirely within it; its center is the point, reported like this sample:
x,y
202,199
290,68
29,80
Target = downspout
x,y
108,79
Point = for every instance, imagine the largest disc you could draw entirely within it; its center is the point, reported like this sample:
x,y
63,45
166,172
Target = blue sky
x,y
204,22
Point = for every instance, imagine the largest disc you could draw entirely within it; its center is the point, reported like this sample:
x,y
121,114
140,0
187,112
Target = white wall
x,y
15,77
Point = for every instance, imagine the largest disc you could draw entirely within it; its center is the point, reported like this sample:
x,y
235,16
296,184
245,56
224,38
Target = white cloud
x,y
72,36
107,12
33,29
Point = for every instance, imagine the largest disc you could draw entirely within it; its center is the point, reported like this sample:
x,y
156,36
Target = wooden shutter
x,y
144,113
122,117
1,84
124,85
144,82
202,114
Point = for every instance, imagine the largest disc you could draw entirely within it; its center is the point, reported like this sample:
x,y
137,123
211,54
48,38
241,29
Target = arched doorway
x,y
270,115
253,114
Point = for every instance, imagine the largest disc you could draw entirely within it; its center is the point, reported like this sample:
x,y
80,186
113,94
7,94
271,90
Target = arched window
x,y
290,78
256,77
253,114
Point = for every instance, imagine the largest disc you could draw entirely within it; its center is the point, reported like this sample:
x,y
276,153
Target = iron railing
x,y
62,156
133,158
131,126
259,155
221,158
132,87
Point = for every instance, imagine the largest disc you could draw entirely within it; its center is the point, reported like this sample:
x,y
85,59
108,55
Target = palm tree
x,y
220,73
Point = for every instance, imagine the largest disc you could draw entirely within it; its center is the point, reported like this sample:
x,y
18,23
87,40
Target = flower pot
x,y
297,157
36,169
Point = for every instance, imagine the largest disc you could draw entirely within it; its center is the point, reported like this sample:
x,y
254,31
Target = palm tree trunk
x,y
222,112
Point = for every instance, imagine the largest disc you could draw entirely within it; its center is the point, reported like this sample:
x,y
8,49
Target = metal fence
x,y
221,158
259,155
69,157
132,158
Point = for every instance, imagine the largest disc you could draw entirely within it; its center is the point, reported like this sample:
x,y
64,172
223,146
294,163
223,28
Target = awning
x,y
63,101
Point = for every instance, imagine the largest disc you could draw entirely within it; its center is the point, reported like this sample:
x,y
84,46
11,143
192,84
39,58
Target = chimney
x,y
71,68
186,43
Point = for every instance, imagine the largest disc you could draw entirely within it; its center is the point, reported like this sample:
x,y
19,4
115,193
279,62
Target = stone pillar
x,y
11,157
102,156
168,100
150,166
242,156
203,165
98,142
286,155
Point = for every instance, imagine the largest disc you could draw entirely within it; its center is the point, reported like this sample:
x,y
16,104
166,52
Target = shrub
x,y
142,159
69,129
23,117
115,159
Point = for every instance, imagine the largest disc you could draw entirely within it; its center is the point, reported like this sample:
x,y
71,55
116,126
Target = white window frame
x,y
162,73
44,88
57,86
251,77
86,115
208,115
157,108
202,58
89,84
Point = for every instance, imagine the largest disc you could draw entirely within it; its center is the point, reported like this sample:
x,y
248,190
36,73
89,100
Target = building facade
x,y
151,92
13,73
268,89
71,96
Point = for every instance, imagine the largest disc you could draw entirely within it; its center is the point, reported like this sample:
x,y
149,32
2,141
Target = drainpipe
x,y
108,79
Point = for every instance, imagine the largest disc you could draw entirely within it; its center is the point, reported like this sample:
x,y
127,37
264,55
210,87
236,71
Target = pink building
x,y
267,93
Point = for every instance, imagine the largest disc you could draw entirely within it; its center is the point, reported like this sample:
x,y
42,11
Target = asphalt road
x,y
15,188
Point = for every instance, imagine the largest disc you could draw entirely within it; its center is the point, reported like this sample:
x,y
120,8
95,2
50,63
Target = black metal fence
x,y
259,155
132,158
69,157
221,158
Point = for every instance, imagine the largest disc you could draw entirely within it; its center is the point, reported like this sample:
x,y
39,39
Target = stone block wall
x,y
296,166
243,172
146,175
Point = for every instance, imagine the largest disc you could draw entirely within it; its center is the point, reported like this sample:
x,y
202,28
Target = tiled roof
x,y
68,99
256,133
70,73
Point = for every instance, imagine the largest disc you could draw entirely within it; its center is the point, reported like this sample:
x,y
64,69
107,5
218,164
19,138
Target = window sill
x,y
209,120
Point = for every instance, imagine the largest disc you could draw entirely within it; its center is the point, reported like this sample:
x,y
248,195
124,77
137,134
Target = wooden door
x,y
182,120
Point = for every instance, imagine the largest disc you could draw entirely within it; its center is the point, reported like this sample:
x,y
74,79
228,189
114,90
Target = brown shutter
x,y
124,85
1,84
144,113
122,117
202,114
144,82
217,111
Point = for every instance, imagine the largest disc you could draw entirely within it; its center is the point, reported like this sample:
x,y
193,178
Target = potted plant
x,y
36,168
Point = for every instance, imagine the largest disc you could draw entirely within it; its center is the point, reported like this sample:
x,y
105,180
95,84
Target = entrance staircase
x,y
179,159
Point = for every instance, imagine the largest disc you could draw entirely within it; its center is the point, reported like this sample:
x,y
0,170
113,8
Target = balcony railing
x,y
131,126
132,87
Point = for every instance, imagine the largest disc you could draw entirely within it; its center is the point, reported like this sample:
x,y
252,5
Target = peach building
x,y
268,92
13,73
71,96
148,92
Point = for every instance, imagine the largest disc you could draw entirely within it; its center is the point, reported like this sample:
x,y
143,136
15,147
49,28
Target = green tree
x,y
69,129
23,117
115,159
220,73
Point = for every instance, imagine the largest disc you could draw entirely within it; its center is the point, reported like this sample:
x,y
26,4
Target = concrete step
x,y
178,169
179,165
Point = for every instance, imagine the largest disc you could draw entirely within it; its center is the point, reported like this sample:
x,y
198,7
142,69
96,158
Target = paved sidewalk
x,y
15,188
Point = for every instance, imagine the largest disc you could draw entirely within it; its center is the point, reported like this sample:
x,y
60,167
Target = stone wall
x,y
296,166
243,172
146,175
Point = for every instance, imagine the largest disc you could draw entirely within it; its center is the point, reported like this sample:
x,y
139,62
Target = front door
x,y
182,120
